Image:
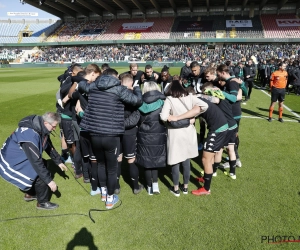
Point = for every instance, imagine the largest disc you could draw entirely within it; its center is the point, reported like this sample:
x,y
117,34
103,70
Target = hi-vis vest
x,y
14,164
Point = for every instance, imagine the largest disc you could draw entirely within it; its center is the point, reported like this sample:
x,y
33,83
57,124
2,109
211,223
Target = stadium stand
x,y
67,31
161,28
159,52
209,25
26,31
93,30
218,23
176,32
7,54
256,31
272,30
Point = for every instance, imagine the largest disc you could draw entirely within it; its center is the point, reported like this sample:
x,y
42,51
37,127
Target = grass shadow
x,y
275,112
54,169
83,239
252,113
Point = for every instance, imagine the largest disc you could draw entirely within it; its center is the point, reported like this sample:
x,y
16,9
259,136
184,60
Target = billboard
x,y
136,27
22,13
287,22
239,23
195,26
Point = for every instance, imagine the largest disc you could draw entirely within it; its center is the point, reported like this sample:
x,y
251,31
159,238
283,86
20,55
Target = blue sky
x,y
16,6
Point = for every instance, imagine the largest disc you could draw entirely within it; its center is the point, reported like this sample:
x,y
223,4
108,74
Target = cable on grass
x,y
41,216
93,209
101,210
58,215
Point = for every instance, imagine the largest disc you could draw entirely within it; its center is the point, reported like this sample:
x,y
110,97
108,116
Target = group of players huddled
x,y
148,118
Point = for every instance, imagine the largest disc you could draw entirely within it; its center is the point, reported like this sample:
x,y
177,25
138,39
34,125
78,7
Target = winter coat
x,y
182,142
251,71
104,113
152,135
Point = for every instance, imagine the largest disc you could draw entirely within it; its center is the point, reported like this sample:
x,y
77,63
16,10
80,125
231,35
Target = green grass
x,y
263,201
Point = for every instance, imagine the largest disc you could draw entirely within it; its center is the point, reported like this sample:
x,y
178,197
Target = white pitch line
x,y
256,117
286,107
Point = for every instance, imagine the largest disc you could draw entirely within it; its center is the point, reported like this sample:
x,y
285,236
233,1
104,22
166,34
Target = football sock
x,y
103,190
280,111
94,175
110,198
232,166
215,166
134,174
118,175
236,151
207,178
271,112
64,152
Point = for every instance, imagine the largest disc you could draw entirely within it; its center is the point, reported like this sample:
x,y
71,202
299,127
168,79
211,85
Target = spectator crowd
x,y
166,52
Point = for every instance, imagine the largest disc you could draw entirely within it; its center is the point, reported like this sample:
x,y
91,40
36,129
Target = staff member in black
x,y
104,119
164,79
136,74
249,74
150,75
195,79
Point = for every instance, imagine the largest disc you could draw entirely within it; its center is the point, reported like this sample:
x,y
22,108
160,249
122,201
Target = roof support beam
x,y
106,6
156,5
123,6
173,5
207,5
225,5
74,7
48,9
281,4
90,7
263,3
140,6
190,5
60,7
244,4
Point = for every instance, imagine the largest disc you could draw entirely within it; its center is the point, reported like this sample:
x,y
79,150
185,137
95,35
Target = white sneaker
x,y
98,191
214,174
238,163
155,188
226,165
232,176
149,190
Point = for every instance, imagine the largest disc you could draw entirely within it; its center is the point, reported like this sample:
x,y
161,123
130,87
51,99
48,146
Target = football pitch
x,y
259,208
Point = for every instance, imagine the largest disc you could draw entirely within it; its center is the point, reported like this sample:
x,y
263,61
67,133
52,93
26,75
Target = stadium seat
x,y
271,29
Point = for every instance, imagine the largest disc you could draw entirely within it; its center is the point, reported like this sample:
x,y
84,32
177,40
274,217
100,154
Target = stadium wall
x,y
112,64
117,42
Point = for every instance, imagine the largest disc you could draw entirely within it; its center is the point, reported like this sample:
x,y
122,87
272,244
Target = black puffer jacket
x,y
104,113
152,135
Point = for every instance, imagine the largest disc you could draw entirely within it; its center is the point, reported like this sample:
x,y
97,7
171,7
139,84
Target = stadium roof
x,y
88,8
